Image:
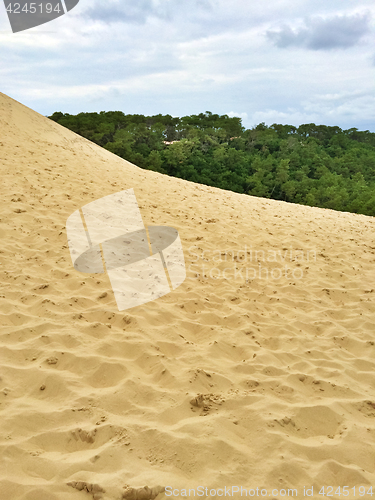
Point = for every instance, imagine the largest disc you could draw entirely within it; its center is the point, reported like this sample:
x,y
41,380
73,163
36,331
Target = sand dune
x,y
258,371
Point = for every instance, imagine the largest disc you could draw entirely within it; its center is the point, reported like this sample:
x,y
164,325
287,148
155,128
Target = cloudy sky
x,y
274,61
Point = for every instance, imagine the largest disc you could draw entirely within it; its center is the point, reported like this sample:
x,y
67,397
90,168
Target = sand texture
x,y
231,379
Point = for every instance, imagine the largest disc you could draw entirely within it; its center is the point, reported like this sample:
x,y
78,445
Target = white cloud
x,y
321,33
244,116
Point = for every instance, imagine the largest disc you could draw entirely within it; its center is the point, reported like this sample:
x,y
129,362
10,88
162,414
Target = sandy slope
x,y
285,367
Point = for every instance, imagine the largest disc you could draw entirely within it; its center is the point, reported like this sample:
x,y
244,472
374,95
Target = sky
x,y
274,61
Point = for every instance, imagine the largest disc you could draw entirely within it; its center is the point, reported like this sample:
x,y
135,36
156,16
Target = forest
x,y
315,165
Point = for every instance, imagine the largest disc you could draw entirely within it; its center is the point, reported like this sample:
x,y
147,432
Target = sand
x,y
232,379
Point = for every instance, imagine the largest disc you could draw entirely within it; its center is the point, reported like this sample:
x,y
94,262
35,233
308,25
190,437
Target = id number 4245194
x,y
34,8
345,491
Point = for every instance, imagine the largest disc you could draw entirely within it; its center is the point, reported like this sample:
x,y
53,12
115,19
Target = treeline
x,y
314,165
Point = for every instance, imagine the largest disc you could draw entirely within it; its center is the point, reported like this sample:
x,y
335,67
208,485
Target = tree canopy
x,y
314,165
